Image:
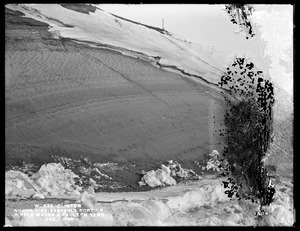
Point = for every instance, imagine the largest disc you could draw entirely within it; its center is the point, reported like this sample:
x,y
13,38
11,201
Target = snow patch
x,y
51,180
103,28
165,175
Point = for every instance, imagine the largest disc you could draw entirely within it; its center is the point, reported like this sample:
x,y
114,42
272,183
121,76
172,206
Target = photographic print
x,y
149,115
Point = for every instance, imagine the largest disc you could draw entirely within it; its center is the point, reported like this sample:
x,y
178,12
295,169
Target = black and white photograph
x,y
149,115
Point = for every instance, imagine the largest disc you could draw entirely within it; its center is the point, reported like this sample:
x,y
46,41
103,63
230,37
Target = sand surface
x,y
69,99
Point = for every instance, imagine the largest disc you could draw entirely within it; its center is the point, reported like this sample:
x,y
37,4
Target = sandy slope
x,y
70,99
101,27
103,99
67,99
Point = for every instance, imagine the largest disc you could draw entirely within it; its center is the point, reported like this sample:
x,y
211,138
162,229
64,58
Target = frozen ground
x,y
199,203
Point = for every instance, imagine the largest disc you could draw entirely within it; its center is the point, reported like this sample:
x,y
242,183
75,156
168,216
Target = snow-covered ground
x,y
200,203
101,28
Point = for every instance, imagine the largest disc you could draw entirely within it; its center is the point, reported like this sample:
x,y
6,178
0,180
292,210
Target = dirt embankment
x,y
68,99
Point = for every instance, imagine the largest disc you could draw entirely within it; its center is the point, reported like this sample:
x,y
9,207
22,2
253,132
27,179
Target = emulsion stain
x,y
248,121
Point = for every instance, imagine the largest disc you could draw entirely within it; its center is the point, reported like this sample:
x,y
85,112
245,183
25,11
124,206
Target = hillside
x,y
71,99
